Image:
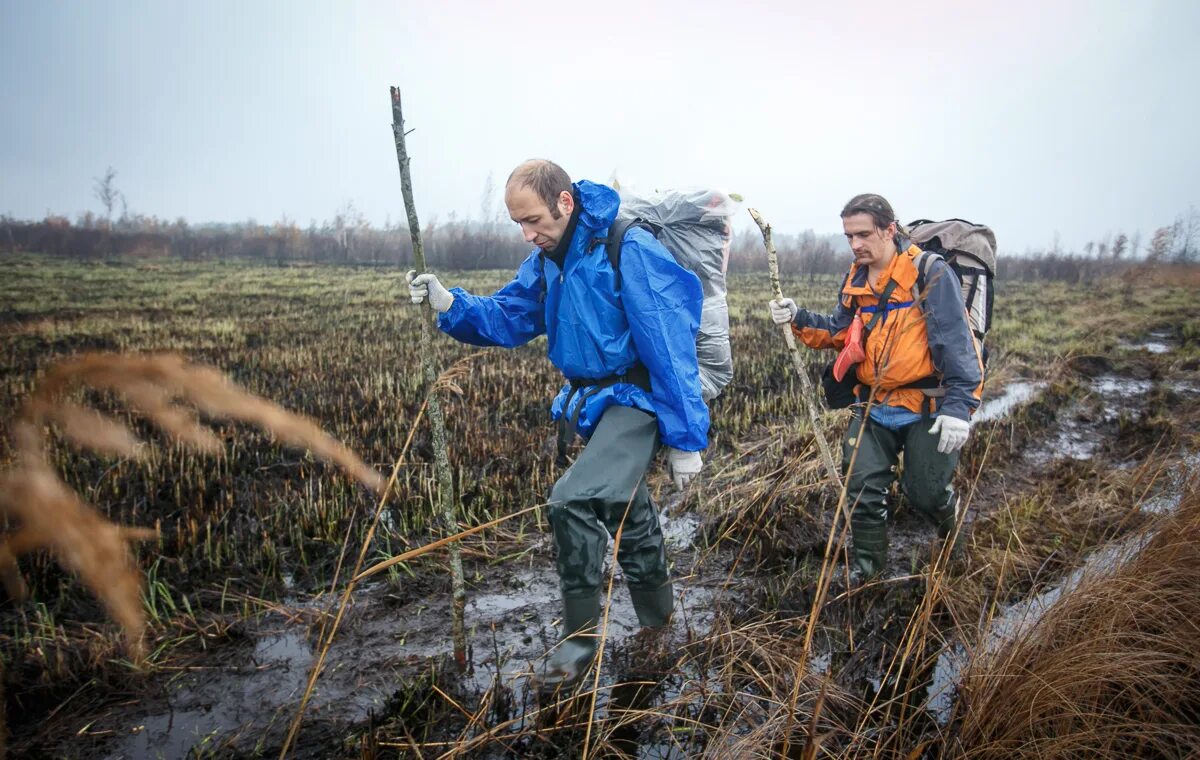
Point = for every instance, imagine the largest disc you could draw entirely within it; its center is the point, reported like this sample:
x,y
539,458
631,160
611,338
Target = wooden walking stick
x,y
808,394
445,491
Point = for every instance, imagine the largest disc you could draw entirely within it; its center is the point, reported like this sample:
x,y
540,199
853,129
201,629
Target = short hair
x,y
547,179
876,206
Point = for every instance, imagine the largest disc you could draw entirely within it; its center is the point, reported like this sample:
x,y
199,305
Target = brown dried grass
x,y
1110,671
171,393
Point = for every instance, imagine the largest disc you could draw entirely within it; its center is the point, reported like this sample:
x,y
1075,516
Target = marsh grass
x,y
1110,671
44,513
241,531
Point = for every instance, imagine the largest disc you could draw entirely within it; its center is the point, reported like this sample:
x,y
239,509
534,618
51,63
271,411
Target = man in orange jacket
x,y
918,364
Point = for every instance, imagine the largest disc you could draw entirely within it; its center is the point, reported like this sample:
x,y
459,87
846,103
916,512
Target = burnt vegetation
x,y
247,532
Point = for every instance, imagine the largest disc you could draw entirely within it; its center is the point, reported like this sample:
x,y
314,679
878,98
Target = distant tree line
x,y
348,238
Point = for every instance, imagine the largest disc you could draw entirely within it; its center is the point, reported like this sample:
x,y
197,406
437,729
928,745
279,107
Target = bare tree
x,y
1135,244
487,209
105,190
1187,236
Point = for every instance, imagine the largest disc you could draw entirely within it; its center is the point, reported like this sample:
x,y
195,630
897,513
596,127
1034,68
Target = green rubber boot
x,y
574,654
946,521
870,551
654,606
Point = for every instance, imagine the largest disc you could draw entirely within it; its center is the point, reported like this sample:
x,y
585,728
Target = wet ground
x,y
239,700
243,704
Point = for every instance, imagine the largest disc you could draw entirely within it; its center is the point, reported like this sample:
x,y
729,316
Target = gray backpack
x,y
694,225
970,250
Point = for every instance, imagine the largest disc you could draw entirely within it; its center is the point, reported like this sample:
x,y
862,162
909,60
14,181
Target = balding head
x,y
538,196
545,178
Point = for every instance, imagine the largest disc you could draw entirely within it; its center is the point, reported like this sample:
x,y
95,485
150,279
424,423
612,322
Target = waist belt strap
x,y
582,389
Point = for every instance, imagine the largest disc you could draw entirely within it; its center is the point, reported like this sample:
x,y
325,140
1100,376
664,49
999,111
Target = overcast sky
x,y
1079,118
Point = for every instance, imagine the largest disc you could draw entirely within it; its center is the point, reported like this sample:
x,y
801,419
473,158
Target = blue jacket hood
x,y
600,204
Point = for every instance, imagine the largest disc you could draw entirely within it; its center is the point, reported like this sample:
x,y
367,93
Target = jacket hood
x,y
600,204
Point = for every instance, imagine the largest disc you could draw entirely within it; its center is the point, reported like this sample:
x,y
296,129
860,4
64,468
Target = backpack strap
x,y
922,261
616,237
882,308
542,277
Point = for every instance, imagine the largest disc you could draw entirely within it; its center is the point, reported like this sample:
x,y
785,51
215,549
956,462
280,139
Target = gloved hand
x,y
422,287
683,466
783,310
953,432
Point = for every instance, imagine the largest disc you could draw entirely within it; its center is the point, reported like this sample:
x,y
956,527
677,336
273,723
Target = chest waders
x,y
583,389
602,492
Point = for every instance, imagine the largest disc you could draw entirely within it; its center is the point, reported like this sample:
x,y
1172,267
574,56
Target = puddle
x,y
820,664
1117,387
1015,394
1157,342
679,532
250,697
1178,478
1017,620
1079,432
204,713
1185,387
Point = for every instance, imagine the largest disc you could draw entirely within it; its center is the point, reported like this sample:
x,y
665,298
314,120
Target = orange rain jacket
x,y
918,337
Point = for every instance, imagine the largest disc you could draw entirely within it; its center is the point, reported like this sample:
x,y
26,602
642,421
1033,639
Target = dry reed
x,y
1111,669
50,515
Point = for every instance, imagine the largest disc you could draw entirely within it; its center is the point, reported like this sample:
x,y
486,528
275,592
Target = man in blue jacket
x,y
626,343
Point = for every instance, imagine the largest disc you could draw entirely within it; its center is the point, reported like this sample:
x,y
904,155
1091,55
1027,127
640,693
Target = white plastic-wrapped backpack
x,y
694,225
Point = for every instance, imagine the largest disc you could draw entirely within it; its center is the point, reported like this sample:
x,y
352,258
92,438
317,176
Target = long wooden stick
x,y
808,394
445,492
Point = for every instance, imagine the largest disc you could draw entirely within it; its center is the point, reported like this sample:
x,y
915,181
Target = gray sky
x,y
1035,117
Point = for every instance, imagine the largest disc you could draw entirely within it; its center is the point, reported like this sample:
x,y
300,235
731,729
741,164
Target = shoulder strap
x,y
542,276
922,261
881,309
616,236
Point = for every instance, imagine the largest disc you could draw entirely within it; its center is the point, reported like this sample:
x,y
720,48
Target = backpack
x,y
694,226
970,250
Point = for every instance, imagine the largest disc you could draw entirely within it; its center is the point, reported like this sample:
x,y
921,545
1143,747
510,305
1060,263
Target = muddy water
x,y
249,698
1079,433
1157,342
1013,396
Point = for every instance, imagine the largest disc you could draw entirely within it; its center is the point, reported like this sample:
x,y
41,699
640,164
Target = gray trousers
x,y
608,482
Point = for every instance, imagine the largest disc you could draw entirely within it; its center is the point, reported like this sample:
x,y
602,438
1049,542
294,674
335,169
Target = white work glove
x,y
683,466
953,432
783,310
425,287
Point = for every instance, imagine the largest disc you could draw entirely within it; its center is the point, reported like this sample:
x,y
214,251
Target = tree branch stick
x,y
445,505
808,394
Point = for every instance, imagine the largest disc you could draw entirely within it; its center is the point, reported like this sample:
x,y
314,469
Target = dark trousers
x,y
926,483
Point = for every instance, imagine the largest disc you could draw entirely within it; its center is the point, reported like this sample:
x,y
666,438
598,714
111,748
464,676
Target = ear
x,y
566,203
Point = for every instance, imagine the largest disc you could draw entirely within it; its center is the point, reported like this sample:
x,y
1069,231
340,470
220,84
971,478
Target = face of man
x,y
872,247
538,225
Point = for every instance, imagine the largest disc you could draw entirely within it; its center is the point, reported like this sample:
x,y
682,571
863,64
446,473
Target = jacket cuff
x,y
956,408
449,318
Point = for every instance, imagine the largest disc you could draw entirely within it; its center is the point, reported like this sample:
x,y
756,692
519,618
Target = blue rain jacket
x,y
593,331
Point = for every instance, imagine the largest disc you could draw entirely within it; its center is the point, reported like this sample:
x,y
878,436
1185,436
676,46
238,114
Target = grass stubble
x,y
746,685
171,393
